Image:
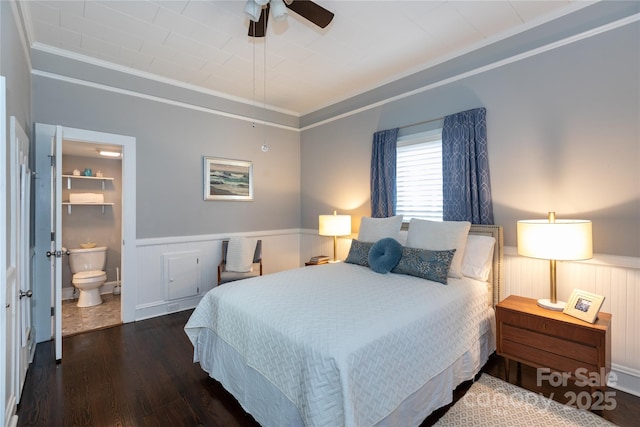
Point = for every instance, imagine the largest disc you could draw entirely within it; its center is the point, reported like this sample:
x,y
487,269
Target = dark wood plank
x,y
142,374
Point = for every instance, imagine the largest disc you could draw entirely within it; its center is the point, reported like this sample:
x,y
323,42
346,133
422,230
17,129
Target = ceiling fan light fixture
x,y
252,10
308,9
278,10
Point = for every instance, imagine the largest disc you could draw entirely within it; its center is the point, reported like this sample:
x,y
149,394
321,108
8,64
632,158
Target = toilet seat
x,y
88,276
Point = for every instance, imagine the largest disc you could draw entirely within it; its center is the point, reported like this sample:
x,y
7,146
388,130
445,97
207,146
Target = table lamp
x,y
334,225
555,240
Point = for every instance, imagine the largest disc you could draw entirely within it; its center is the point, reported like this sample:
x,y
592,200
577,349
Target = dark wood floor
x,y
141,374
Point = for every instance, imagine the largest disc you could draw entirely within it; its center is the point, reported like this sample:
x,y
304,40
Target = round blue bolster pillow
x,y
384,255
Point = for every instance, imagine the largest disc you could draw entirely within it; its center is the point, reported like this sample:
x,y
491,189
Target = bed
x,y
341,345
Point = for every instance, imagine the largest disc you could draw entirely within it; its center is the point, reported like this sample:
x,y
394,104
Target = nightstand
x,y
544,338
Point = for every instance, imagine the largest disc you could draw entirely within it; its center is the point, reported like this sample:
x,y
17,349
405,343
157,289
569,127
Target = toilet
x,y
88,276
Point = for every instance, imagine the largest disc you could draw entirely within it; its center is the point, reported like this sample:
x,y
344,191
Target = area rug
x,y
492,402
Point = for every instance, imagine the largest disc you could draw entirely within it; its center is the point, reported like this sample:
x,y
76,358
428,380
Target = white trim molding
x,y
160,99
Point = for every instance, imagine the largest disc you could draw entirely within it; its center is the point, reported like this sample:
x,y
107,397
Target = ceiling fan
x,y
258,13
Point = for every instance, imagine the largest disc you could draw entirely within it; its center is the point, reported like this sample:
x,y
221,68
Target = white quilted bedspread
x,y
346,345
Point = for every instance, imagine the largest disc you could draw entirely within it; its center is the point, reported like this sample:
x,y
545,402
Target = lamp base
x,y
555,306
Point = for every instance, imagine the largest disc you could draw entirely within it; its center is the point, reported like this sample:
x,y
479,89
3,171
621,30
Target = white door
x,y
20,207
55,254
7,283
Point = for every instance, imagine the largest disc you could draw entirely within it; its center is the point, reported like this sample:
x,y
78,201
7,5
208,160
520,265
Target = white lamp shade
x,y
334,225
252,10
562,240
278,10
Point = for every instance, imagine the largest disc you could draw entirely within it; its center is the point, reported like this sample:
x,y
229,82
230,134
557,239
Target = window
x,y
419,176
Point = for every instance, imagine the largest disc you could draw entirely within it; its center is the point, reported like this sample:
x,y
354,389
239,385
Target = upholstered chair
x,y
225,276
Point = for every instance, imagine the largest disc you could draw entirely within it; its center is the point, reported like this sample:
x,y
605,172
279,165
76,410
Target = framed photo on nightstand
x,y
584,305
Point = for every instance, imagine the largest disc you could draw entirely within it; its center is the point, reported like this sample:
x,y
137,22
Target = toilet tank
x,y
87,259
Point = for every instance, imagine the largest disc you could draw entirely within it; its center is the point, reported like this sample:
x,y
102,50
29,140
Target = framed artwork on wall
x,y
226,179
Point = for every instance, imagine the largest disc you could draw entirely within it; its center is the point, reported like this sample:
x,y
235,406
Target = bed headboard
x,y
496,277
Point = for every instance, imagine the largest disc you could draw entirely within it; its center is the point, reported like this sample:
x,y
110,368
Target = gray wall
x,y
563,132
89,223
170,144
15,68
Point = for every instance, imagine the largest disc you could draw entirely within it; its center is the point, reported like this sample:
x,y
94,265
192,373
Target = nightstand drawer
x,y
543,359
541,342
551,327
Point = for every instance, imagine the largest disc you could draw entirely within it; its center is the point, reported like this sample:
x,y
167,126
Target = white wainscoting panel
x,y
616,278
280,251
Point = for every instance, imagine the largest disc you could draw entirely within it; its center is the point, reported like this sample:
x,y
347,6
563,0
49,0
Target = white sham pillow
x,y
438,236
374,229
402,237
478,257
240,251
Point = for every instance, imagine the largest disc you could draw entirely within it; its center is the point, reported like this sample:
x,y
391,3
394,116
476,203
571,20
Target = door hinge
x,y
53,236
53,160
53,311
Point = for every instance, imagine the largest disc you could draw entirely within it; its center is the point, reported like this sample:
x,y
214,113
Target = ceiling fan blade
x,y
258,29
311,11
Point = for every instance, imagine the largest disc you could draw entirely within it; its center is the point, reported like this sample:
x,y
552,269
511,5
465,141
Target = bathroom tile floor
x,y
80,319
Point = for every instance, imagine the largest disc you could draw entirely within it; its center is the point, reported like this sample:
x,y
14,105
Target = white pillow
x,y
438,236
240,254
478,257
374,229
402,237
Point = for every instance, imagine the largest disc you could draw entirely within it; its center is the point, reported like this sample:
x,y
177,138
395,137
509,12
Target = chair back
x,y
257,255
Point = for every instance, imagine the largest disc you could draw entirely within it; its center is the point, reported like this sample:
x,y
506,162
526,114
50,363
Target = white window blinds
x,y
419,176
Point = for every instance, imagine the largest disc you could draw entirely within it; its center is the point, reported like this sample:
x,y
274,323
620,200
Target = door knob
x,y
27,294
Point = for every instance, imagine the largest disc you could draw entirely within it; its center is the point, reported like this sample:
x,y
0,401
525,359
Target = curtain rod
x,y
421,123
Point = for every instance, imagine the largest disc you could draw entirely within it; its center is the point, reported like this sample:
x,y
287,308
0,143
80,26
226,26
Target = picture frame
x,y
226,179
584,305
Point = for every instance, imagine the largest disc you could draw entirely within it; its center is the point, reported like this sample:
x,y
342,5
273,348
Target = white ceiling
x,y
204,44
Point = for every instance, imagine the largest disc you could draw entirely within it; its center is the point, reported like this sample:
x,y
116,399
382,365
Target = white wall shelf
x,y
71,177
69,204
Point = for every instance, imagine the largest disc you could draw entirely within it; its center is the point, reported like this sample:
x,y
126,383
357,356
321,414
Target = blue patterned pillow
x,y
424,263
359,253
384,255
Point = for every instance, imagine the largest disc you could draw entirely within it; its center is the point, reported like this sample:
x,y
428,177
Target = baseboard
x,y
628,380
161,308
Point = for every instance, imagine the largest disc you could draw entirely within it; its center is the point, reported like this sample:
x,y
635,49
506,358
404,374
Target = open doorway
x,y
91,230
76,207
